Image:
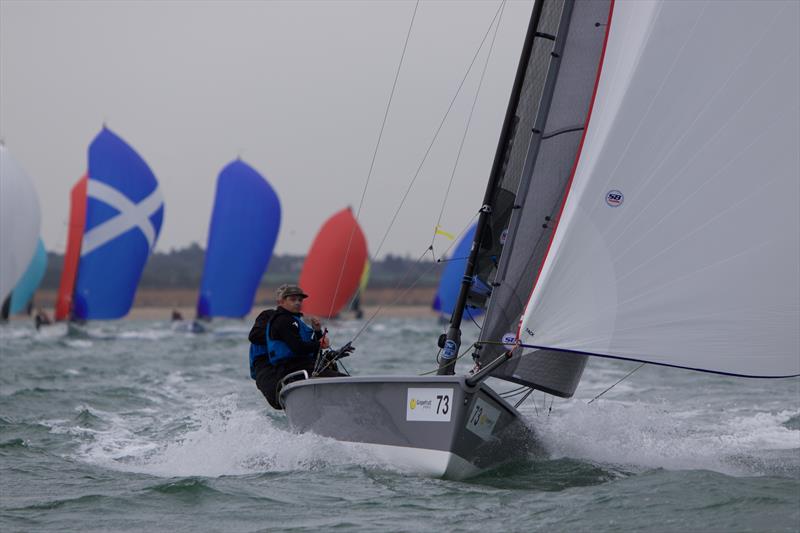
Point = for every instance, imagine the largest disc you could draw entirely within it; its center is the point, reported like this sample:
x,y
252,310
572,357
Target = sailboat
x,y
116,213
20,222
244,227
22,295
446,296
644,204
355,303
334,266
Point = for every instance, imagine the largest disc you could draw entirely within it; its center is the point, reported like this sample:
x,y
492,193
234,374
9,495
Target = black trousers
x,y
268,376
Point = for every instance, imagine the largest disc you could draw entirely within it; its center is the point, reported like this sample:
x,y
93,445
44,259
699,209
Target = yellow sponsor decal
x,y
412,403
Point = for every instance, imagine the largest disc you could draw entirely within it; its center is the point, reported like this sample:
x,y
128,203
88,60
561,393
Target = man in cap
x,y
282,343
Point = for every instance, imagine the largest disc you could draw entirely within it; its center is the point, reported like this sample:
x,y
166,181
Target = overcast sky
x,y
297,89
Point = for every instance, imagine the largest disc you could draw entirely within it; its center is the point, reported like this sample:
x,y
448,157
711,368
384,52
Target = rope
x,y
462,354
514,392
524,398
615,384
374,156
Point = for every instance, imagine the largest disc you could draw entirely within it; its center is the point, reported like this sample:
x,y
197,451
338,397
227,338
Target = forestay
x,y
560,80
679,241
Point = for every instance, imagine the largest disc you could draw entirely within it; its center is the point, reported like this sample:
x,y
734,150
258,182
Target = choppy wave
x,y
644,436
133,416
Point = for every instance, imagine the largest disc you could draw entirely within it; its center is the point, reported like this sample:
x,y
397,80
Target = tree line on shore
x,y
183,269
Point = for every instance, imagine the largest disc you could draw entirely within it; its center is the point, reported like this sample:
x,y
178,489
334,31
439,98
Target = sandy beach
x,y
157,304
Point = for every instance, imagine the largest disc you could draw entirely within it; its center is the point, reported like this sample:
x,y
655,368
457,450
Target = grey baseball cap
x,y
285,291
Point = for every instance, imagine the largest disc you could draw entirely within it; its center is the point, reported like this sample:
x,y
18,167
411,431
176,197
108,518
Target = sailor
x,y
282,343
41,319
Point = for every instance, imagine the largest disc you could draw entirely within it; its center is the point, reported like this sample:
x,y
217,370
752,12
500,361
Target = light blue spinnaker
x,y
244,227
30,281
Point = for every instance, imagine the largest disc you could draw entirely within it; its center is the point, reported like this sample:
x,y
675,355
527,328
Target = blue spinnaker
x,y
30,281
450,282
244,227
123,220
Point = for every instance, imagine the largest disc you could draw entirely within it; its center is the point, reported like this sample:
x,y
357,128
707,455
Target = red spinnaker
x,y
77,223
329,264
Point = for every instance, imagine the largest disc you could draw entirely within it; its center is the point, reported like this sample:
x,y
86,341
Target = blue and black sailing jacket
x,y
277,350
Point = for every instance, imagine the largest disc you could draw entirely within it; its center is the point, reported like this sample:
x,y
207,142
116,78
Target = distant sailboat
x,y
116,214
330,274
22,294
355,303
450,283
20,222
244,227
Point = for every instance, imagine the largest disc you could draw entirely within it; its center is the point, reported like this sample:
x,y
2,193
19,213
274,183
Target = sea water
x,y
131,426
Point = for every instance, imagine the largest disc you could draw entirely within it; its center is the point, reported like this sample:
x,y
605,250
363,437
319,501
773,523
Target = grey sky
x,y
298,89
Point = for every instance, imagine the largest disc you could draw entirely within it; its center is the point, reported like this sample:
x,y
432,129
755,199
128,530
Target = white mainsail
x,y
19,222
679,242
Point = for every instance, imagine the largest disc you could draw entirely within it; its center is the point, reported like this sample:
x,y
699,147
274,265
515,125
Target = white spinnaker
x,y
19,222
696,122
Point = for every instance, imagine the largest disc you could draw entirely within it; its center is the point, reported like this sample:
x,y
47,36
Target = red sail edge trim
x,y
575,165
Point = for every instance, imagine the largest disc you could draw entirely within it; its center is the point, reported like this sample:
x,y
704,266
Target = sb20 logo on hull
x,y
614,198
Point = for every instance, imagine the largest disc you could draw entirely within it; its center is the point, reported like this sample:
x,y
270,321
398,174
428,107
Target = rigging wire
x,y
436,134
615,384
469,314
524,398
374,155
469,121
414,283
514,392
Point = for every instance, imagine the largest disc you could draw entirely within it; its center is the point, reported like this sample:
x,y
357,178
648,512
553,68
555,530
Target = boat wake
x,y
637,437
217,439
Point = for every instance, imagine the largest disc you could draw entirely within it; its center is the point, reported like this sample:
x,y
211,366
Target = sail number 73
x,y
444,404
429,405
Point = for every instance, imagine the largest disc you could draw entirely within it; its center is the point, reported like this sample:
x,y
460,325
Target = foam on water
x,y
219,439
642,436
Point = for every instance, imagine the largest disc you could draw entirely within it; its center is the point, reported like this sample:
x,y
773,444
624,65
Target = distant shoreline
x,y
157,304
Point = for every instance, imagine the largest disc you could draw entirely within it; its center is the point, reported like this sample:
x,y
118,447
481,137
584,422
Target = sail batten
x,y
679,243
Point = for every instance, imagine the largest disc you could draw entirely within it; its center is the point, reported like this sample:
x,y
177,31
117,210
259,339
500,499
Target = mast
x,y
452,341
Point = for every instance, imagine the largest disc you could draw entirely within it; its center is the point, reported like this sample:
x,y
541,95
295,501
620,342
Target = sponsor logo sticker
x,y
482,419
614,198
504,236
510,341
429,405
